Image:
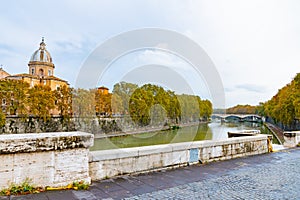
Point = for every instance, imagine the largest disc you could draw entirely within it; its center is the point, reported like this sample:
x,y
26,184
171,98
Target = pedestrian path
x,y
268,176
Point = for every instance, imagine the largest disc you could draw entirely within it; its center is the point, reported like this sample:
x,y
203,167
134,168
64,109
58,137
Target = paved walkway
x,y
268,176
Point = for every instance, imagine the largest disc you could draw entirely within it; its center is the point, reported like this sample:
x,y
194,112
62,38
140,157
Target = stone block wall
x,y
48,159
291,138
109,163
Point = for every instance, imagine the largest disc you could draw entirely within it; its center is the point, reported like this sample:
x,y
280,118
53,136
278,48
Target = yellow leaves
x,y
77,185
242,109
284,107
40,101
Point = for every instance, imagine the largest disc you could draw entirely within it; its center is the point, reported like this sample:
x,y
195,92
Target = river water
x,y
206,131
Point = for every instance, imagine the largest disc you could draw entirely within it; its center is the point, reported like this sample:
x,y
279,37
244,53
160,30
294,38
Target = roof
x,y
35,77
54,78
102,88
3,73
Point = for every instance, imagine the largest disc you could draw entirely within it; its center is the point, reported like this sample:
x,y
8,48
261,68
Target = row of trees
x,y
241,109
150,103
146,104
17,98
284,107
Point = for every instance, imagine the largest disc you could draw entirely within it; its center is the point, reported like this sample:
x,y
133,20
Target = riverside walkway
x,y
268,176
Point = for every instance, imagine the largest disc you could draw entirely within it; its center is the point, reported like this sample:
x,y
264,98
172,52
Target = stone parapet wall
x,y
57,159
291,138
109,163
95,125
48,159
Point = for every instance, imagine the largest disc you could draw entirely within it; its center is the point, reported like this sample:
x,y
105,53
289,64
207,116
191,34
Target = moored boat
x,y
243,133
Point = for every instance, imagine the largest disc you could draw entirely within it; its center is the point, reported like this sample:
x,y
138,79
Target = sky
x,y
253,44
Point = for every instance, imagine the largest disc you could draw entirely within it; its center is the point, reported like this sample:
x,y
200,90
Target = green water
x,y
211,131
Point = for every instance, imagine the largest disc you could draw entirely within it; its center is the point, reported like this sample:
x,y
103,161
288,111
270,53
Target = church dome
x,y
41,55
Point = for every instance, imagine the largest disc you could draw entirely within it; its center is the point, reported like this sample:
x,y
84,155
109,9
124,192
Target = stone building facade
x,y
3,73
40,70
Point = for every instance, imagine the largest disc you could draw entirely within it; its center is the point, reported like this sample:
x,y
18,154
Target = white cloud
x,y
253,43
161,57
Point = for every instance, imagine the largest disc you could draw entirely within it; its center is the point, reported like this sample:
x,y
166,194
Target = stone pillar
x,y
48,159
291,138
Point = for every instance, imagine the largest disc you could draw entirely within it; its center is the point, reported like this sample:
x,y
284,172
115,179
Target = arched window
x,y
41,72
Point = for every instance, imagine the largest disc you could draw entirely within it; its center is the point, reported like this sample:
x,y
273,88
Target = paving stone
x,y
268,176
269,179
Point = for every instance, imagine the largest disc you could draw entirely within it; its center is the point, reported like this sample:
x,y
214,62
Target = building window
x,y
41,72
57,87
32,71
49,72
3,102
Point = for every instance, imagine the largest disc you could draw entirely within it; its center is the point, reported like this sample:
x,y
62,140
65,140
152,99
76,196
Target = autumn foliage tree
x,y
143,105
284,107
41,101
63,101
17,98
103,103
13,97
241,109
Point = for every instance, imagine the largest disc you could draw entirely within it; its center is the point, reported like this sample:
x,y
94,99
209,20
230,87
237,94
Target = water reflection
x,y
211,131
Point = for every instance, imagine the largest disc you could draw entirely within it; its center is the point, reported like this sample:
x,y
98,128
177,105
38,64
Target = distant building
x,y
103,90
41,70
103,101
3,73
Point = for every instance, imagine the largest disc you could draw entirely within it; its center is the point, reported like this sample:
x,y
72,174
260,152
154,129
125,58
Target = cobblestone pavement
x,y
268,176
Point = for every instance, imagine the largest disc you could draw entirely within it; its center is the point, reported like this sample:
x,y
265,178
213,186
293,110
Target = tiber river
x,y
210,131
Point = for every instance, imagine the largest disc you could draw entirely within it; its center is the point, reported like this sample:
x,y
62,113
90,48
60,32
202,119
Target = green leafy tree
x,y
190,107
205,109
84,103
151,103
124,90
116,104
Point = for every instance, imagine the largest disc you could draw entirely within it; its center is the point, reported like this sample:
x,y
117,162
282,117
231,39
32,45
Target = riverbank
x,y
144,130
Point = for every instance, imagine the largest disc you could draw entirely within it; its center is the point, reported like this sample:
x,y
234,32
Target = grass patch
x,y
80,185
25,187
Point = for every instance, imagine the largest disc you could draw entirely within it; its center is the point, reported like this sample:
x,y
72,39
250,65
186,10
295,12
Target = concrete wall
x,y
291,138
109,163
49,159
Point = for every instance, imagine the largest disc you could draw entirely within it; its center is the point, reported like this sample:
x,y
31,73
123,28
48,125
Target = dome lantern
x,y
41,55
